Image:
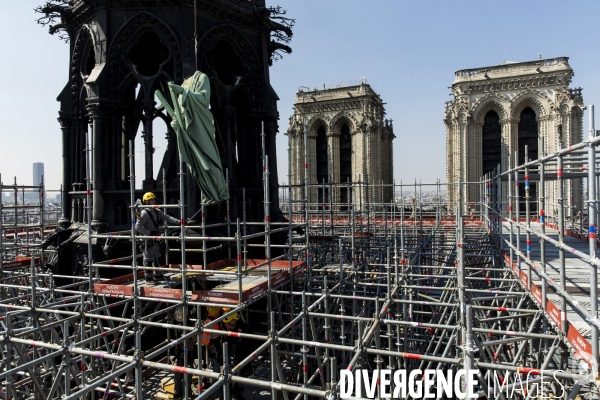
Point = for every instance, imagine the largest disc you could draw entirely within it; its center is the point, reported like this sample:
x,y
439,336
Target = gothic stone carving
x,y
508,89
360,112
103,77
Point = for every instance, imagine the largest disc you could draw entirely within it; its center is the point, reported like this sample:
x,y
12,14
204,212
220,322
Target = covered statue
x,y
192,121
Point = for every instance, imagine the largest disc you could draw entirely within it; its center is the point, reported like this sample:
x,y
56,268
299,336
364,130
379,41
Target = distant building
x,y
38,179
496,111
348,141
38,173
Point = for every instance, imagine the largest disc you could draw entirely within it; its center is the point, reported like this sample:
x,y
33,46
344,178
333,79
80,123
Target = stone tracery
x,y
508,89
359,141
111,88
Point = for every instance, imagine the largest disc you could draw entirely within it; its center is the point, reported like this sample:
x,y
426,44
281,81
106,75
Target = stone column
x,y
312,165
392,193
333,147
564,118
542,150
271,133
455,166
149,110
477,160
385,160
357,162
514,138
376,156
115,143
66,125
292,154
297,165
509,126
542,134
576,125
547,125
128,131
292,159
567,129
463,150
449,175
96,114
297,146
554,122
470,166
367,171
124,173
450,159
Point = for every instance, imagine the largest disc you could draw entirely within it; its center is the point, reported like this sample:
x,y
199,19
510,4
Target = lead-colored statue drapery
x,y
192,121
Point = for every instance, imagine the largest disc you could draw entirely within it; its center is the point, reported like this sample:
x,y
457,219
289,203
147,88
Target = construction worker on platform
x,y
238,347
147,225
212,343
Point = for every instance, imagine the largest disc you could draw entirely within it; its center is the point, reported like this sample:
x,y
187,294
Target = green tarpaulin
x,y
192,121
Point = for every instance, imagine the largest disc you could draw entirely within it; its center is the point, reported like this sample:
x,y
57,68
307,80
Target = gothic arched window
x,y
491,142
528,136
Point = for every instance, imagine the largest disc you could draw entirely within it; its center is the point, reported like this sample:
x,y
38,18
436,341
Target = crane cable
x,y
196,34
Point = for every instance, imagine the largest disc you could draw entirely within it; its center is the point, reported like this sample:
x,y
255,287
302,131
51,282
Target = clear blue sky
x,y
407,50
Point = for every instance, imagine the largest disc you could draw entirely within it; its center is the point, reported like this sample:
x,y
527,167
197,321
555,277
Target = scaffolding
x,y
26,219
412,284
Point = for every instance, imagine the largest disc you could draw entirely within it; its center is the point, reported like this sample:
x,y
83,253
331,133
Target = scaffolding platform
x,y
258,265
577,284
20,261
408,281
254,281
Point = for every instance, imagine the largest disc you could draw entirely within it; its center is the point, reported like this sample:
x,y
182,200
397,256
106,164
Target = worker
x,y
212,343
238,351
147,225
187,346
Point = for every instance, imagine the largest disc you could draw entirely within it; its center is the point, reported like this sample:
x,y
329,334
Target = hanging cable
x,y
196,33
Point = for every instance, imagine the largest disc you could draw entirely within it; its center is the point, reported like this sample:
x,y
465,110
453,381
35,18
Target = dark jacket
x,y
240,348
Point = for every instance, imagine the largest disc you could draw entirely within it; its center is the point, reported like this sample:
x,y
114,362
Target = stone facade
x,y
348,140
496,111
121,52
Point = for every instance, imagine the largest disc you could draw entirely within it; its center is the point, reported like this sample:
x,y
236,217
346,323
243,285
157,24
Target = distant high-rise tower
x,y
38,173
349,140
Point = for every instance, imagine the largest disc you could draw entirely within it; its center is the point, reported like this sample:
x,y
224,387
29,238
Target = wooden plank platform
x,y
254,281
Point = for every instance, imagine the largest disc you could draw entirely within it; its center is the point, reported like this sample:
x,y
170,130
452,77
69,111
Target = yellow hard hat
x,y
233,317
213,311
148,196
